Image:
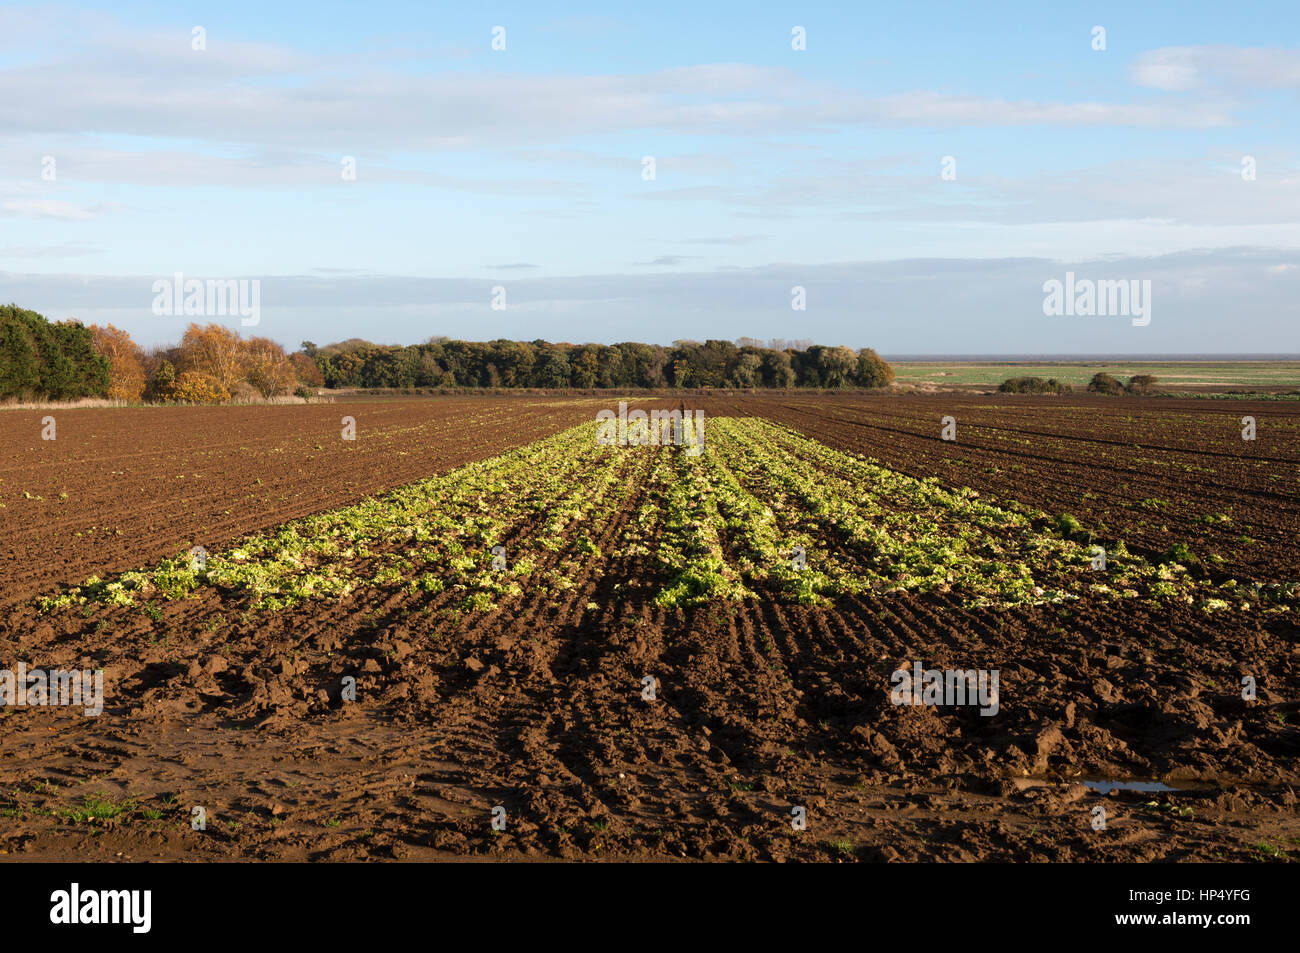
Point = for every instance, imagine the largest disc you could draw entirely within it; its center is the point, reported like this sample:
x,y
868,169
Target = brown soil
x,y
757,711
1150,472
143,484
760,708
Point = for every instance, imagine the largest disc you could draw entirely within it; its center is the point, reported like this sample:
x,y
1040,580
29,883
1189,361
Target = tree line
x,y
212,363
746,363
54,360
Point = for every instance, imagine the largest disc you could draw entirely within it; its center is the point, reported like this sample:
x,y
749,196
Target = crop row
x,y
763,512
433,535
860,525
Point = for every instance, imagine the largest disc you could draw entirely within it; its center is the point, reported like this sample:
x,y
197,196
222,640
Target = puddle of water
x,y
1104,786
1146,787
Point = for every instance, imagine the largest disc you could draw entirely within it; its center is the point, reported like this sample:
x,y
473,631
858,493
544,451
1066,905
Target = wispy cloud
x,y
1184,68
667,260
59,250
153,84
47,208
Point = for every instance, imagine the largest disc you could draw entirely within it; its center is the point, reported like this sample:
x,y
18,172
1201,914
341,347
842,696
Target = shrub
x,y
1104,384
195,387
873,370
1140,383
1033,385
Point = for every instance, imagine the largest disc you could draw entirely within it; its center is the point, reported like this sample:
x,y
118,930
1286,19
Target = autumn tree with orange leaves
x,y
126,375
216,351
211,364
306,369
268,368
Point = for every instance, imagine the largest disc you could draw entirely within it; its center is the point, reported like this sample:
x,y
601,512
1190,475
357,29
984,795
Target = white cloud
x,y
1183,68
61,250
46,208
925,108
153,85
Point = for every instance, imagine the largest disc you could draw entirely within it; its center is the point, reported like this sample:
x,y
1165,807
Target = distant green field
x,y
1207,376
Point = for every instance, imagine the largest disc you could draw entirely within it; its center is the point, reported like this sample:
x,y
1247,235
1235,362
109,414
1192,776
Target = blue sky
x,y
522,168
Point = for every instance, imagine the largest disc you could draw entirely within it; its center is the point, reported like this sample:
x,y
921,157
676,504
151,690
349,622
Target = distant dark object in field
x,y
1033,385
1106,384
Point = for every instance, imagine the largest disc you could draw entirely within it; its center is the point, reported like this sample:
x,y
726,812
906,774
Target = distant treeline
x,y
1101,383
66,360
212,363
746,363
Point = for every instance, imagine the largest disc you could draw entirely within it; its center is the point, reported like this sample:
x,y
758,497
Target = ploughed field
x,y
121,488
481,611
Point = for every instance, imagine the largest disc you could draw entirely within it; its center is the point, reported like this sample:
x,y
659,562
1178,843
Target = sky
x,y
918,171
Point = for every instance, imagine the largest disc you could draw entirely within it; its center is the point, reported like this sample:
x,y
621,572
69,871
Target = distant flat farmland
x,y
1190,376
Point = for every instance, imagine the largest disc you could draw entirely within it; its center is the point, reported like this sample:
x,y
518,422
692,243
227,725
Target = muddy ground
x,y
541,708
756,712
